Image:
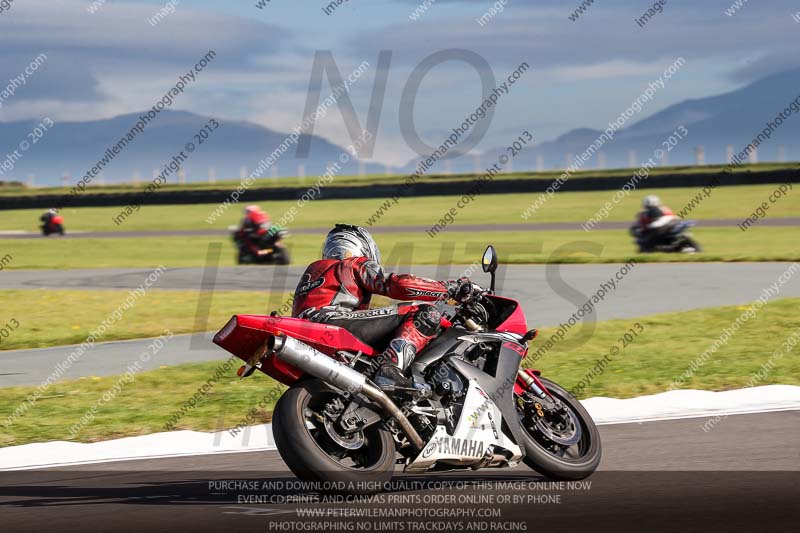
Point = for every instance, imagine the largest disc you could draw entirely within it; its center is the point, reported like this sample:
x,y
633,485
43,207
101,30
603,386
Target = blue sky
x,y
583,73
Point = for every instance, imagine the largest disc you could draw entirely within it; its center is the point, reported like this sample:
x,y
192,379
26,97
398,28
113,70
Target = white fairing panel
x,y
478,428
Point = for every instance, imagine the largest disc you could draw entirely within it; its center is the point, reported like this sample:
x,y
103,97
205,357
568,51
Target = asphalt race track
x,y
678,286
553,226
744,473
549,294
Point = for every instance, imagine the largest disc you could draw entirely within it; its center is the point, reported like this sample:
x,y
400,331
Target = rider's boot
x,y
389,377
388,374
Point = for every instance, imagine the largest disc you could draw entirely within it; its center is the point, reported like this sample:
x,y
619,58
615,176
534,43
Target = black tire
x,y
547,463
243,258
60,229
306,458
693,243
281,256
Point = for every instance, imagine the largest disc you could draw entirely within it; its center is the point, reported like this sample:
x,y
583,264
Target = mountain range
x,y
729,121
716,123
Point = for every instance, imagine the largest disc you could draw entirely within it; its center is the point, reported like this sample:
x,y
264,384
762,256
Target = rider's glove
x,y
461,289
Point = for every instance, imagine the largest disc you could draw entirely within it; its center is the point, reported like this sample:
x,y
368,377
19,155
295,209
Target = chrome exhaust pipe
x,y
316,363
319,365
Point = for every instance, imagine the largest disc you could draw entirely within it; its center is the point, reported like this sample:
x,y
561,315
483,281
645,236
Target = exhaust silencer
x,y
319,365
316,363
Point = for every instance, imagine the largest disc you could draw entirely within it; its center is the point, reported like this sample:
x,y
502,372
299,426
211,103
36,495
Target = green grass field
x,y
726,202
666,346
58,317
720,244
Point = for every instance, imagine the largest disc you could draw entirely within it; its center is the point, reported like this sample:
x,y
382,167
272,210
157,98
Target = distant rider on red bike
x,y
52,222
337,290
255,222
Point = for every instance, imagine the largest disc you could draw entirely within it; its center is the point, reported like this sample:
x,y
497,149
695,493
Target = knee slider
x,y
427,319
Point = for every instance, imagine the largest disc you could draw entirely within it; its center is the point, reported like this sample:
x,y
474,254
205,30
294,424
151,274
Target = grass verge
x,y
58,317
726,202
663,350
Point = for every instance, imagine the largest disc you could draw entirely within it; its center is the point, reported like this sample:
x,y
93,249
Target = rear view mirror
x,y
489,261
489,264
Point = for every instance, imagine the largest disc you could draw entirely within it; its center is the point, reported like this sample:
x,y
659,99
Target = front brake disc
x,y
565,431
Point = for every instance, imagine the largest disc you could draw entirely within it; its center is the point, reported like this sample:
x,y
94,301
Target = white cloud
x,y
114,62
602,71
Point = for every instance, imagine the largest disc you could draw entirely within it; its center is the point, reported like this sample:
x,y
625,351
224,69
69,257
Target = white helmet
x,y
345,240
651,200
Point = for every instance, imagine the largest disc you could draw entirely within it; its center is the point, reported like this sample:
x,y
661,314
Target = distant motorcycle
x,y
672,238
266,248
52,224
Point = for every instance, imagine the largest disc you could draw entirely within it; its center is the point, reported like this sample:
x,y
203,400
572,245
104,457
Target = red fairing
x,y
325,338
58,219
244,336
515,323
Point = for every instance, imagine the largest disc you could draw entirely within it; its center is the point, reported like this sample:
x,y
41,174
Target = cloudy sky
x,y
583,73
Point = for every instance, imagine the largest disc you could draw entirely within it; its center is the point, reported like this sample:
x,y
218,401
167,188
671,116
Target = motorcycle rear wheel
x,y
312,454
548,457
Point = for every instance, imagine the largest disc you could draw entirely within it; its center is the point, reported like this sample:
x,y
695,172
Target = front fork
x,y
528,381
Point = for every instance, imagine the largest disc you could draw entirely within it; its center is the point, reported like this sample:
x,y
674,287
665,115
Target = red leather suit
x,y
338,292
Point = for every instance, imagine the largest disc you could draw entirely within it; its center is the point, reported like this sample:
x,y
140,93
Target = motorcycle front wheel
x,y
561,439
691,243
315,450
243,257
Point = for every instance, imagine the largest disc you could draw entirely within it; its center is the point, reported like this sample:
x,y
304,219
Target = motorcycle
x,y
52,225
264,249
481,410
672,238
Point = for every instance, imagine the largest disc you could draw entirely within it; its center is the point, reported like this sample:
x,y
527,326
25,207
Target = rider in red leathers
x,y
253,228
337,290
255,221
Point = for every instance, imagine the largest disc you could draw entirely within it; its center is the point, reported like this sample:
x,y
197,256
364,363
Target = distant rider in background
x,y
48,216
653,222
255,223
52,222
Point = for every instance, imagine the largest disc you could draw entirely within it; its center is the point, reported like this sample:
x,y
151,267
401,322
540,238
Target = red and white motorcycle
x,y
482,409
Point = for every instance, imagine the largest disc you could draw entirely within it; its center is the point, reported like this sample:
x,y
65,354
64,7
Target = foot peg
x,y
390,379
